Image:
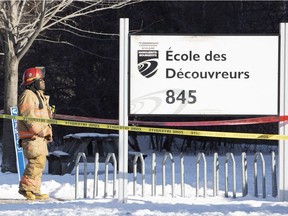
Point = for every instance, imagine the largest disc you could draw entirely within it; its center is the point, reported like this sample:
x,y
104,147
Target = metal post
x,y
172,173
283,127
153,174
114,173
138,155
230,155
199,157
81,154
244,174
182,174
123,109
216,174
96,169
273,172
257,155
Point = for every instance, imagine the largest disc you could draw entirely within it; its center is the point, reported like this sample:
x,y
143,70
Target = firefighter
x,y
34,136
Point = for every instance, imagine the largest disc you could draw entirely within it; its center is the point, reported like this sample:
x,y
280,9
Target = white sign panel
x,y
213,75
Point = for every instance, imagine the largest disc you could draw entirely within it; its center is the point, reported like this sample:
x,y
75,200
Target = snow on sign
x,y
213,75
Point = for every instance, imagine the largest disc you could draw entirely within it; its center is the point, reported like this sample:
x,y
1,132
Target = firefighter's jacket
x,y
29,105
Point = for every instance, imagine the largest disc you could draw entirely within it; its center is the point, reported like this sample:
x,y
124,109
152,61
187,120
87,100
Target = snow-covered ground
x,y
63,187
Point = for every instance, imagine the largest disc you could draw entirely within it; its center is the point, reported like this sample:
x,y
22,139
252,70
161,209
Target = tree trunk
x,y
11,64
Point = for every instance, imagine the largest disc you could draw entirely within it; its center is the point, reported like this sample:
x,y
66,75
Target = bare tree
x,y
21,22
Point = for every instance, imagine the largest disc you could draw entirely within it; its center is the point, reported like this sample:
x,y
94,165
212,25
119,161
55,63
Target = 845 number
x,y
184,96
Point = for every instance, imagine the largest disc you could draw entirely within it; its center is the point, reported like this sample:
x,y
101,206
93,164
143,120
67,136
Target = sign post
x,y
20,160
123,110
283,101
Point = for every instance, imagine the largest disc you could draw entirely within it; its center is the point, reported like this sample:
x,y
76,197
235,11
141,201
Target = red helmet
x,y
32,74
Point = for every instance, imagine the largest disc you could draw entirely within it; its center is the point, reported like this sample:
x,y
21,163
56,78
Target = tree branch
x,y
36,32
23,3
91,8
83,35
77,47
88,32
33,18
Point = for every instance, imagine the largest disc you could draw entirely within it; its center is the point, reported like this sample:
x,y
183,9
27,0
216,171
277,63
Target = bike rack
x,y
199,157
172,173
79,156
114,173
228,156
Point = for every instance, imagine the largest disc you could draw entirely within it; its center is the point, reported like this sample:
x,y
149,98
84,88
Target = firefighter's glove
x,y
49,138
51,111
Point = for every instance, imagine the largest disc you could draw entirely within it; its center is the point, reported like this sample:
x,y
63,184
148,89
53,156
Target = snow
x,y
81,135
60,153
63,187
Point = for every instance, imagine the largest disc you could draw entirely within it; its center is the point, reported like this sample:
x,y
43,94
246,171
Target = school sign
x,y
196,75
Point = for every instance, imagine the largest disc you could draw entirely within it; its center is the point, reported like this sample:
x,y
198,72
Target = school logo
x,y
147,62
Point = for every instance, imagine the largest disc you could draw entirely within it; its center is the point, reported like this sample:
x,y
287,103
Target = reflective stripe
x,y
43,113
28,181
25,134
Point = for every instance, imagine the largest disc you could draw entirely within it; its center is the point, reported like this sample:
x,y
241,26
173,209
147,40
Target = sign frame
x,y
274,94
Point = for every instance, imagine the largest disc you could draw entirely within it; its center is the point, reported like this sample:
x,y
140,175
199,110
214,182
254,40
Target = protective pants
x,y
35,152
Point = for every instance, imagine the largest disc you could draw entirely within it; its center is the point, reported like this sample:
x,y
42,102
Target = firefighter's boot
x,y
27,194
39,196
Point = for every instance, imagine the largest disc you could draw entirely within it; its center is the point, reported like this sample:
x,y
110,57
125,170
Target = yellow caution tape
x,y
152,130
